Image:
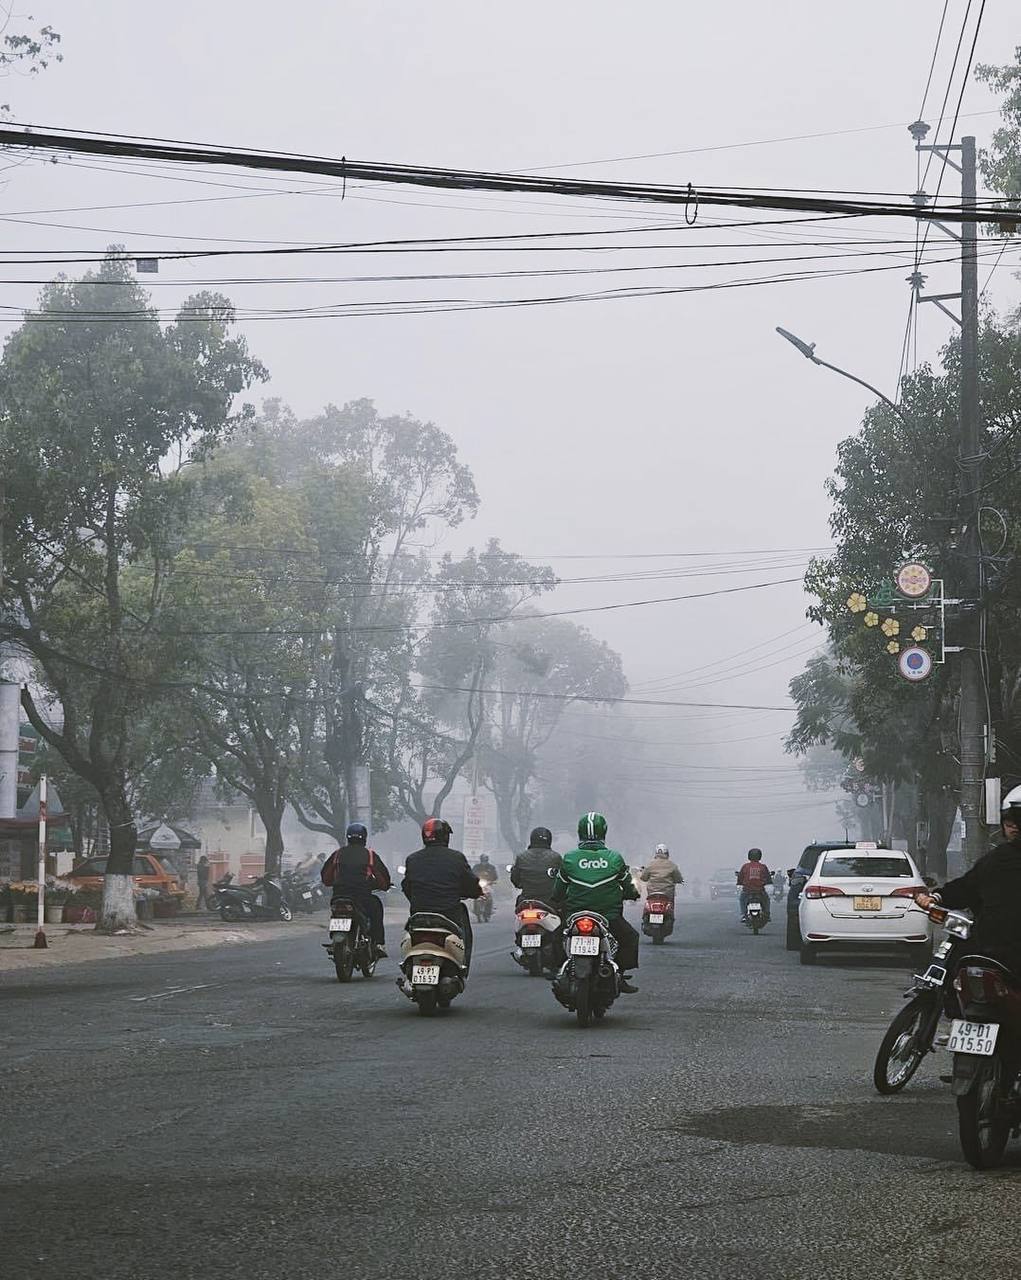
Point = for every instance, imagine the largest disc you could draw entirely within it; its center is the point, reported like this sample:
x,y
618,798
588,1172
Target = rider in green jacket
x,y
595,878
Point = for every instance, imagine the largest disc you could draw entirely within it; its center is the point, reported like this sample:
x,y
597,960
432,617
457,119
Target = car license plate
x,y
342,924
425,975
531,939
307,893
973,1037
868,904
584,946
656,917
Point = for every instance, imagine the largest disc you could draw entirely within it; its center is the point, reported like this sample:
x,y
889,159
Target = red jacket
x,y
754,875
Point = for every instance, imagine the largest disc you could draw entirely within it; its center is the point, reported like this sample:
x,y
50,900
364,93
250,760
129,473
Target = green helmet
x,y
592,826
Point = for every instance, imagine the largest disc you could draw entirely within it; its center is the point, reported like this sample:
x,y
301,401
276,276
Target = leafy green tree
x,y
1001,163
95,397
26,52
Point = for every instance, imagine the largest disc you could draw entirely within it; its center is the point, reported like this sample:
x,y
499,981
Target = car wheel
x,y
809,953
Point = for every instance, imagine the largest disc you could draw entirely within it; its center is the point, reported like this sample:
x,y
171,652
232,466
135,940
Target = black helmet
x,y
754,855
357,831
436,831
541,838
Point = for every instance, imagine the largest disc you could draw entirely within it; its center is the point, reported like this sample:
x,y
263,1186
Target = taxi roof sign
x,y
866,844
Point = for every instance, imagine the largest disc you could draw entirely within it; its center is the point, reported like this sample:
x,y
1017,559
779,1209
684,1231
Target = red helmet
x,y
436,831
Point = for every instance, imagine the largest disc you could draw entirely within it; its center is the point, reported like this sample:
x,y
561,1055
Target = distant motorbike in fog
x,y
658,918
757,913
263,899
484,904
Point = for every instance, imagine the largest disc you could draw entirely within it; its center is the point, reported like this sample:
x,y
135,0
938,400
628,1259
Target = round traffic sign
x,y
863,800
913,580
915,663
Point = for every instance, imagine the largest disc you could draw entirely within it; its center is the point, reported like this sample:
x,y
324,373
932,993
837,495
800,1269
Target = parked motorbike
x,y
484,905
757,913
263,899
658,919
985,1039
912,1033
299,894
350,943
432,962
589,980
538,945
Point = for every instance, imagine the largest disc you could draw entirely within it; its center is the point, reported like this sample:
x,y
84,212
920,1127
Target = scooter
x,y
350,941
538,945
589,979
658,919
432,962
263,899
300,894
985,1039
483,905
757,912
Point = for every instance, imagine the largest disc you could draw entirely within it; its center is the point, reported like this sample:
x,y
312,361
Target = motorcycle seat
x,y
600,920
433,920
535,904
989,962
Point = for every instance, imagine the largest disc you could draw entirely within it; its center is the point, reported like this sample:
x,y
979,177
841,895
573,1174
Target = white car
x,y
863,895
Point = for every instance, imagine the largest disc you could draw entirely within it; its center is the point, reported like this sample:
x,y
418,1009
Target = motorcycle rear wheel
x,y
427,1003
285,911
902,1052
343,960
983,1134
583,1004
367,960
228,915
534,963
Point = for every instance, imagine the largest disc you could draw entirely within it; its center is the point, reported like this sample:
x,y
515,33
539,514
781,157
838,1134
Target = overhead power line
x,y
124,146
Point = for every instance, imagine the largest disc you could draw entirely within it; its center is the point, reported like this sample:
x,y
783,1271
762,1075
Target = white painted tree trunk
x,y
118,910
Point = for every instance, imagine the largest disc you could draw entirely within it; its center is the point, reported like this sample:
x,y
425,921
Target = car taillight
x,y
585,924
824,891
983,986
531,916
908,891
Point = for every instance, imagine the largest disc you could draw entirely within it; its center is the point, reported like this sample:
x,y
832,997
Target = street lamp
x,y
807,349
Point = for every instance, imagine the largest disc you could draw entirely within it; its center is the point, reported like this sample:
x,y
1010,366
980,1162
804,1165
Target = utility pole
x,y
975,731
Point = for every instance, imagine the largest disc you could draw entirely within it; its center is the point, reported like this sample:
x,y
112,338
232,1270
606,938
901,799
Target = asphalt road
x,y
238,1113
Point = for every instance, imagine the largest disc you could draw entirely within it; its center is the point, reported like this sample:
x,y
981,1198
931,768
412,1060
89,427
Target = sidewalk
x,y
70,944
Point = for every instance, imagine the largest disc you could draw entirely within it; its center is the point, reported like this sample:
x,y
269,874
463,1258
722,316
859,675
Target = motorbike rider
x,y
596,878
662,875
485,870
991,891
353,872
753,878
437,877
533,870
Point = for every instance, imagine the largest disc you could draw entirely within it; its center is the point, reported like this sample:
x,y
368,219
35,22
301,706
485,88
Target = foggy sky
x,y
669,424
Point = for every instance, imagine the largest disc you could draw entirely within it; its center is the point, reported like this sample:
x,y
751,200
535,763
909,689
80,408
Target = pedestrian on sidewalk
x,y
202,871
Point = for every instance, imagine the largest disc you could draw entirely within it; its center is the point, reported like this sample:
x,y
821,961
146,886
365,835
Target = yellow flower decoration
x,y
871,619
918,635
890,627
893,647
856,602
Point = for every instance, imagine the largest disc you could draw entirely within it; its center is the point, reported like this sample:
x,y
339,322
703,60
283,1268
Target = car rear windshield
x,y
848,867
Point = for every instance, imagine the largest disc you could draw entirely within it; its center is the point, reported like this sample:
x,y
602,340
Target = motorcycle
x,y
263,899
484,905
757,911
658,919
538,946
985,1039
350,941
300,894
589,980
432,962
912,1033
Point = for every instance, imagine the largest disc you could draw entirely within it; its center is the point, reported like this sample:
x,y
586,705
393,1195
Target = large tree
x,y
97,399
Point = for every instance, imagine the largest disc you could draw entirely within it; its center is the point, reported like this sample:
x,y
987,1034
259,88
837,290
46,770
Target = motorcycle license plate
x,y
342,924
584,946
307,894
868,904
973,1037
656,917
531,940
425,975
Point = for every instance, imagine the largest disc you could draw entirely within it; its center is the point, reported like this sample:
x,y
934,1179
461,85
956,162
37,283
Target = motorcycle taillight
x,y
980,986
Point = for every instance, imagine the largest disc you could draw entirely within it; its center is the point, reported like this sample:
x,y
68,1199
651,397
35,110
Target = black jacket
x,y
352,873
531,873
486,871
437,878
991,890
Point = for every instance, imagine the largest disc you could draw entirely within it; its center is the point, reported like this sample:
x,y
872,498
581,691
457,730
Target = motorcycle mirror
x,y
791,871
930,881
401,869
550,872
508,868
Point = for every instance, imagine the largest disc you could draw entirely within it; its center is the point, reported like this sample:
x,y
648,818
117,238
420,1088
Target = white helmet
x,y
1011,806
663,852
